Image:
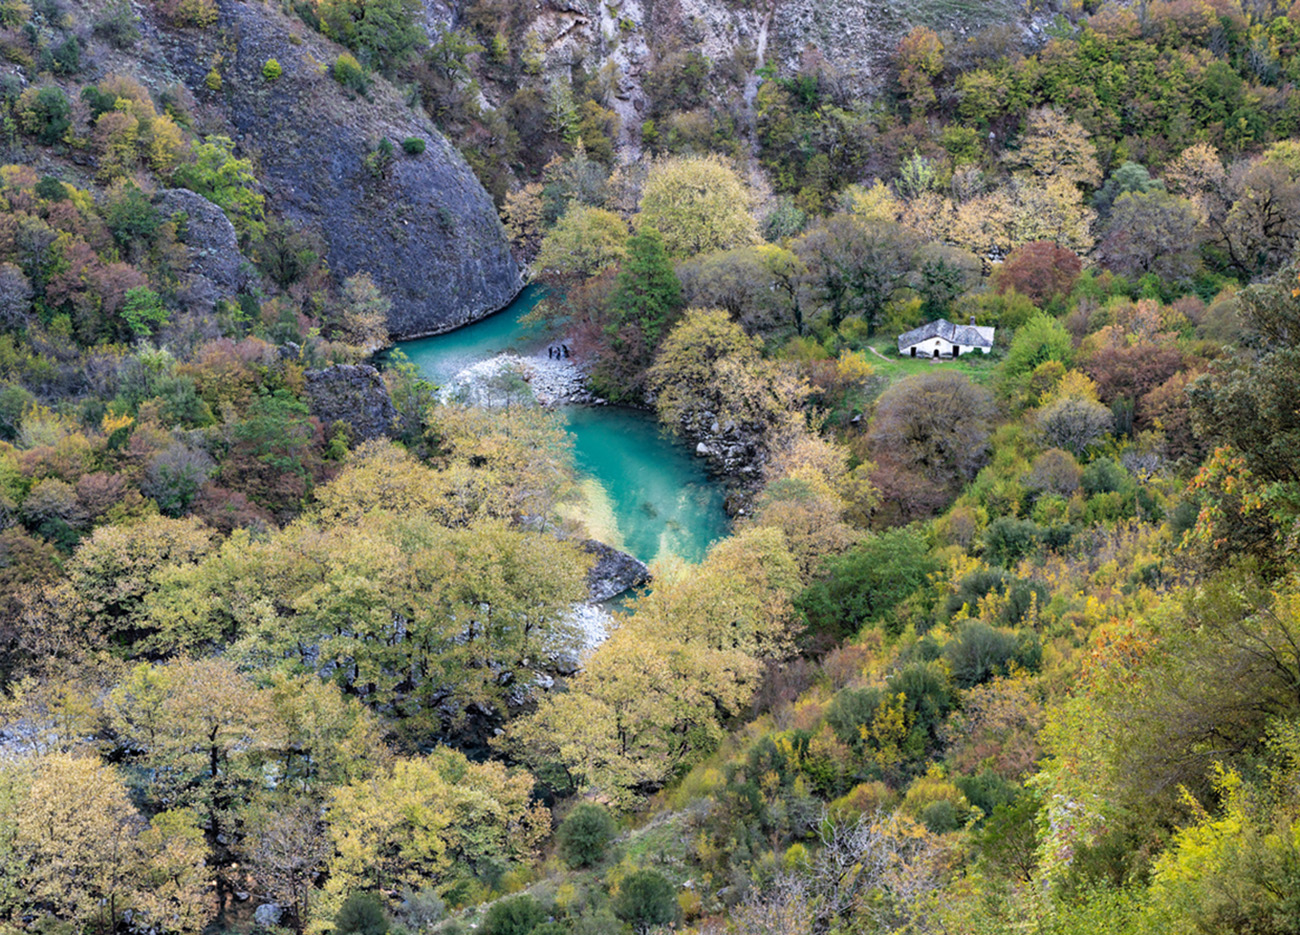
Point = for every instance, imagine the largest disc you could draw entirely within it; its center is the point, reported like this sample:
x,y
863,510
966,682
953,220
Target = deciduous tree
x,y
1054,147
698,204
855,267
1151,232
583,242
933,425
1040,270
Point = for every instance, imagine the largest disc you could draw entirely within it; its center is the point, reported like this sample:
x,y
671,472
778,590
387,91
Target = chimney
x,y
972,319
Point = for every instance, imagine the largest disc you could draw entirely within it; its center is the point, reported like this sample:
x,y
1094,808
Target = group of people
x,y
558,352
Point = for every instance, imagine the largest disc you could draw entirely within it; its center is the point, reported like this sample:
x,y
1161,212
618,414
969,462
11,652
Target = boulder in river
x,y
613,572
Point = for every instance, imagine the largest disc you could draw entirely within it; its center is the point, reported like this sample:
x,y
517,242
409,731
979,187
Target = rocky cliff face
x,y
423,226
854,37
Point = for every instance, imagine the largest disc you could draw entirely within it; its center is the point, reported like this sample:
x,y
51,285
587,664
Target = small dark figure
x,y
565,348
550,352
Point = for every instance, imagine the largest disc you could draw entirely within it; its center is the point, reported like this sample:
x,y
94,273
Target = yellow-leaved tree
x,y
653,698
698,204
426,822
582,243
79,850
708,370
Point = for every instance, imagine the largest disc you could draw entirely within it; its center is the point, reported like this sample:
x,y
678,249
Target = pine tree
x,y
647,292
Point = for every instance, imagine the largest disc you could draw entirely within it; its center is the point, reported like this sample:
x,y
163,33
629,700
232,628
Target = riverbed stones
x,y
508,379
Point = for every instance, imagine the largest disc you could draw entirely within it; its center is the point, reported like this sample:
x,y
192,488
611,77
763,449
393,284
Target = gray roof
x,y
966,335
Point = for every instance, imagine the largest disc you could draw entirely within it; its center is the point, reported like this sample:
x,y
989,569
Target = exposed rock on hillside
x,y
854,37
422,226
354,394
216,269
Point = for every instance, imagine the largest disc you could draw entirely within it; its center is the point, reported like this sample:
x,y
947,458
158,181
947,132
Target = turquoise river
x,y
641,491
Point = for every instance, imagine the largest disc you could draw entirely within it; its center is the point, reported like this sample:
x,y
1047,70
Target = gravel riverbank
x,y
507,378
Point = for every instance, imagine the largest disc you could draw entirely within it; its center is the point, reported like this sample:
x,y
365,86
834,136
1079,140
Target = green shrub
x,y
585,834
646,899
99,102
226,181
361,914
14,400
987,790
130,217
785,220
64,58
981,652
940,817
347,71
44,113
143,311
1021,594
271,70
1103,476
517,915
117,26
1008,540
849,710
928,697
413,145
212,80
381,158
867,584
51,189
197,13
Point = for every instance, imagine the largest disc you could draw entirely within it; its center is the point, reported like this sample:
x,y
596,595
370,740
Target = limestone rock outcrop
x,y
351,393
421,225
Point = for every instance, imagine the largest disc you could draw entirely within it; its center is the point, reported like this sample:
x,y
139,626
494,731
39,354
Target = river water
x,y
640,491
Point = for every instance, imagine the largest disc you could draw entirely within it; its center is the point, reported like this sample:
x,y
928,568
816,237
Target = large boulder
x,y
268,915
215,267
351,393
422,226
613,572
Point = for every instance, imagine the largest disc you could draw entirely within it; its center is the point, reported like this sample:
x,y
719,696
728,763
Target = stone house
x,y
944,339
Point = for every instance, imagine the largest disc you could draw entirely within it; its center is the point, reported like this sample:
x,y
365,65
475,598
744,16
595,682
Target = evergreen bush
x,y
585,834
347,71
646,899
362,914
517,915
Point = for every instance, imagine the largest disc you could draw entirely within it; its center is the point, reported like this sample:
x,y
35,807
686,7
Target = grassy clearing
x,y
979,367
